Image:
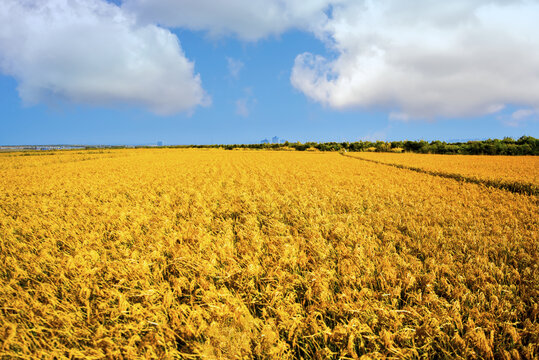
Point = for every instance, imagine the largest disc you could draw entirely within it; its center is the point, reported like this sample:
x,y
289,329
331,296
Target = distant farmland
x,y
214,254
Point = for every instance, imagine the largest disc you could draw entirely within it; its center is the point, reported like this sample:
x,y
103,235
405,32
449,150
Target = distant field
x,y
523,169
211,254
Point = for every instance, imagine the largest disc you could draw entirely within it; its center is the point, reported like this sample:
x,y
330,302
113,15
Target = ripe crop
x,y
212,254
492,169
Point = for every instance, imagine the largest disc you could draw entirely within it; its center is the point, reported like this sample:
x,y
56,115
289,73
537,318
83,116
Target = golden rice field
x,y
213,254
523,169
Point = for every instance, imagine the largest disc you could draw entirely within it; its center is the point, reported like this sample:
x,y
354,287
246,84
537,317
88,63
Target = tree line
x,y
525,145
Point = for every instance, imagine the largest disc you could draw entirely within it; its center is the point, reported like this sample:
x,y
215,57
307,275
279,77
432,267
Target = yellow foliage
x,y
214,254
508,168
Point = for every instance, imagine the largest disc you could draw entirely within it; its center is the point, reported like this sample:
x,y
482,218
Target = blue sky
x,y
301,80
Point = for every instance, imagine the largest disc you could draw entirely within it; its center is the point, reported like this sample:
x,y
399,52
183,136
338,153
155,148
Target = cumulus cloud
x,y
91,52
422,59
426,59
246,19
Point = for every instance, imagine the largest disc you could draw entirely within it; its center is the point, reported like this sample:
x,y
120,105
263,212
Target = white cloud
x,y
246,103
247,19
520,117
91,52
242,108
397,116
426,59
234,67
522,114
379,135
422,59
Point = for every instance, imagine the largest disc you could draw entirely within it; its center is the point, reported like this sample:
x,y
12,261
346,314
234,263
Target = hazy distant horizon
x,y
248,143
